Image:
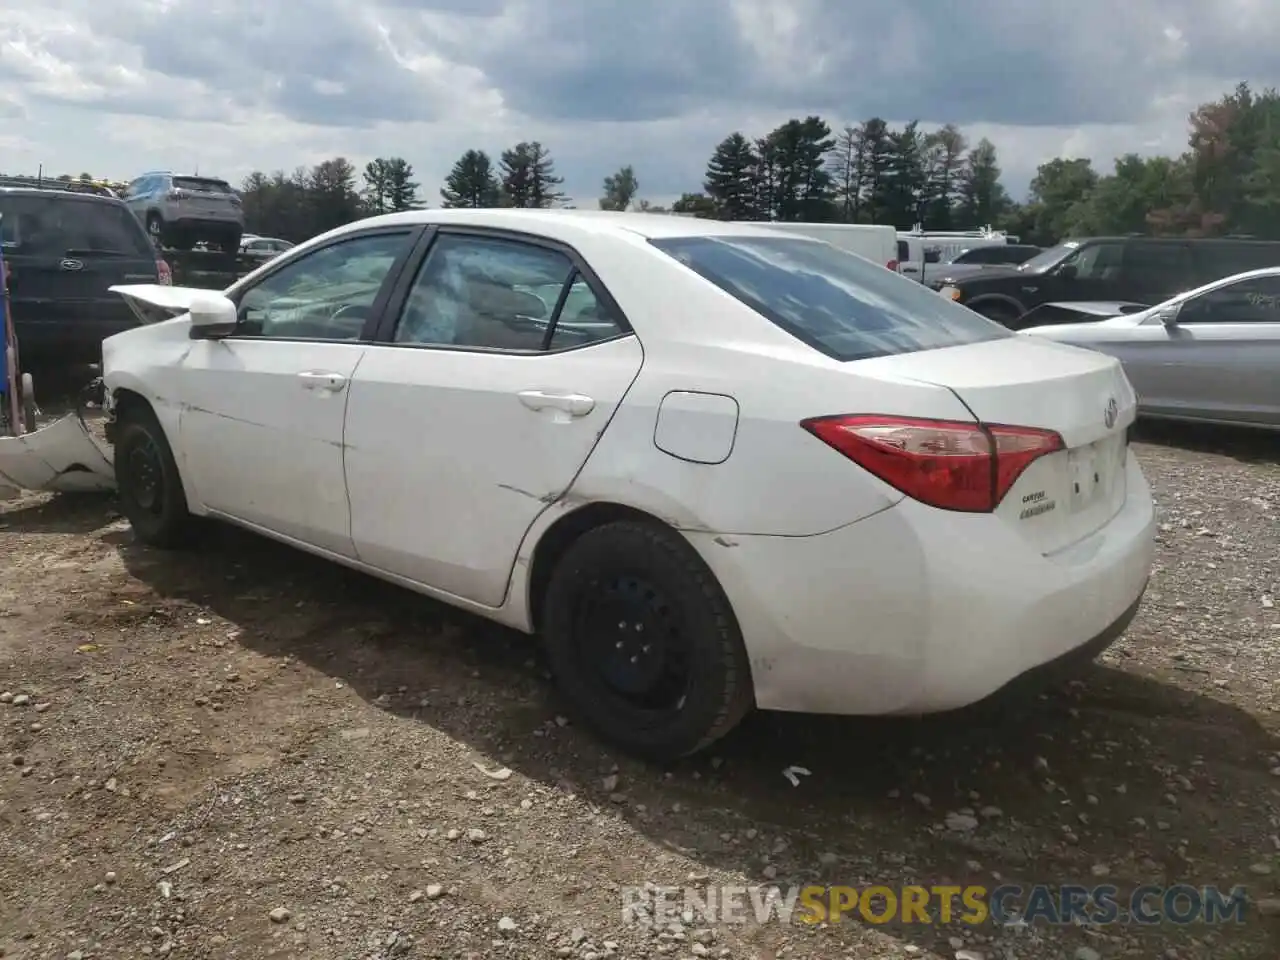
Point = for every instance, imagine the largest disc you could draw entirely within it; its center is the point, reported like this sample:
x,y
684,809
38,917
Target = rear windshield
x,y
838,303
59,226
201,185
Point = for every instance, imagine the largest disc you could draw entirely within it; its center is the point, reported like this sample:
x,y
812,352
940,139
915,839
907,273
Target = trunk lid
x,y
1082,395
204,196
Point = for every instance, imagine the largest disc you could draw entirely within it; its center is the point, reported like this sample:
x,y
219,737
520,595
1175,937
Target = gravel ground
x,y
243,752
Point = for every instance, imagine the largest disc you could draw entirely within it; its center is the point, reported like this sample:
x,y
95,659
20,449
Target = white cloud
x,y
234,86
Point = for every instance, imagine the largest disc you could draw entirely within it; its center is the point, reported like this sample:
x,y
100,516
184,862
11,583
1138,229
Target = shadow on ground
x,y
1122,772
1247,446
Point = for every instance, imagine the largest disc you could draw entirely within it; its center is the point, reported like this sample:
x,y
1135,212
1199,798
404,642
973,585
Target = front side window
x,y
838,303
496,294
1256,300
1098,261
326,294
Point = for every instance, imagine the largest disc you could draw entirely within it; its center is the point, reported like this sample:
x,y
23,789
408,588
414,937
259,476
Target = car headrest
x,y
498,301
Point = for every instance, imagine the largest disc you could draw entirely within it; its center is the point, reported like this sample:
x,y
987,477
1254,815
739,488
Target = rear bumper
x,y
228,222
915,610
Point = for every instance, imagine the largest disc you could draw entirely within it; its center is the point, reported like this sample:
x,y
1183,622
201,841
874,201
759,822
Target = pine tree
x,y
472,182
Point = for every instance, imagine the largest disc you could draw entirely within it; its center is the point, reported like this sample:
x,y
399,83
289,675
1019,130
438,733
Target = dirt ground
x,y
239,751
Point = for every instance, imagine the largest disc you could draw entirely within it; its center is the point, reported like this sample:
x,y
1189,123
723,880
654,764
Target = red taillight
x,y
166,275
945,463
892,265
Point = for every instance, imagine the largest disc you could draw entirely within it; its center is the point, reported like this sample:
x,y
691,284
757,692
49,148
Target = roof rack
x,y
985,233
67,186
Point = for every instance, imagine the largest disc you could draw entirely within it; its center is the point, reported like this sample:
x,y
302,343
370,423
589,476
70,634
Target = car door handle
x,y
574,404
320,380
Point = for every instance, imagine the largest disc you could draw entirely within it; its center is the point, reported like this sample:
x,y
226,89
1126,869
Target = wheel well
x,y
561,535
126,402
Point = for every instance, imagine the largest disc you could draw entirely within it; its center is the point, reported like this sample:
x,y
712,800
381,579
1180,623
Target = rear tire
x,y
643,642
148,482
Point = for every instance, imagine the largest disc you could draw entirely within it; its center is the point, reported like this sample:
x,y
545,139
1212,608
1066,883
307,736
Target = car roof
x,y
54,194
566,223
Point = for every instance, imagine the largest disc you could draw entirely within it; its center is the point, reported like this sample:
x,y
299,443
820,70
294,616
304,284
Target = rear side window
x,y
201,185
839,304
1223,258
52,226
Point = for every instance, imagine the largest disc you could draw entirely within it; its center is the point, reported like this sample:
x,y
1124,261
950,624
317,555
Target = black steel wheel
x,y
643,641
148,483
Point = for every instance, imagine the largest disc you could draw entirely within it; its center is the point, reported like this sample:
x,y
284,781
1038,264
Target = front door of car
x,y
505,363
261,428
1217,360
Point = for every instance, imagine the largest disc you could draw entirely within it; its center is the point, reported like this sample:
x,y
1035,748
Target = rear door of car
x,y
1152,272
64,251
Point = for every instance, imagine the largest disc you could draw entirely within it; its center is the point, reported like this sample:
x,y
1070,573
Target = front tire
x,y
148,483
642,641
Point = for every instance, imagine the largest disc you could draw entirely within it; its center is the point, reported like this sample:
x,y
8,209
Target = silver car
x,y
1211,355
181,211
263,248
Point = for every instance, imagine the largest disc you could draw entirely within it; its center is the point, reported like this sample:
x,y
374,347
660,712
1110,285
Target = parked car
x,y
263,248
1145,270
921,251
63,249
183,211
973,262
713,465
1210,355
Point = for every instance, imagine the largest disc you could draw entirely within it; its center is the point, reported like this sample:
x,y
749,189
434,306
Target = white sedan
x,y
713,467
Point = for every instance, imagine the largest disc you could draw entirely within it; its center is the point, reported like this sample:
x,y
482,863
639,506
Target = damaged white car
x,y
713,466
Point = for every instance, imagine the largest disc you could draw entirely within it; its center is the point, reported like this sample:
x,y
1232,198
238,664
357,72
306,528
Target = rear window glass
x,y
201,185
58,226
842,305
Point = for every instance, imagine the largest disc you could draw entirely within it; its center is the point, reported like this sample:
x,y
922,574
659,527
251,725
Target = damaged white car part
x,y
62,457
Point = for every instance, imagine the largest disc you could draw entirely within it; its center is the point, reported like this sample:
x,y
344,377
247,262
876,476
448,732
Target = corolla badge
x,y
1111,414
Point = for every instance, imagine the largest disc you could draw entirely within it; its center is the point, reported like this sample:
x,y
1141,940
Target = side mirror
x,y
1169,318
212,317
1068,271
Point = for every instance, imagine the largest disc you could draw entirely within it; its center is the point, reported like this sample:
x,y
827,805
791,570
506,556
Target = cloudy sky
x,y
123,86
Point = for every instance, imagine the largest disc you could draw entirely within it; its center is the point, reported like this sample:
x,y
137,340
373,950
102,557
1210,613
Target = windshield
x,y
1045,259
840,304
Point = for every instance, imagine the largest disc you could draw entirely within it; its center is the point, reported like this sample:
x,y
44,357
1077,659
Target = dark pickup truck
x,y
1141,270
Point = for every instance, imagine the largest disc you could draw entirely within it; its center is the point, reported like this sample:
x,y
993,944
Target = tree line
x,y
1226,181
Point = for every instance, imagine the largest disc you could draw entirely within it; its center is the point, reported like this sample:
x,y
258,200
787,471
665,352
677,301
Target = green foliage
x,y
472,182
620,189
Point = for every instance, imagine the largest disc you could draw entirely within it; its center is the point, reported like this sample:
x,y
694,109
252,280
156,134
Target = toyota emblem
x,y
1112,412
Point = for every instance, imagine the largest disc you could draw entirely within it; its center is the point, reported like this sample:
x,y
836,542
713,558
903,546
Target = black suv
x,y
1146,270
63,246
